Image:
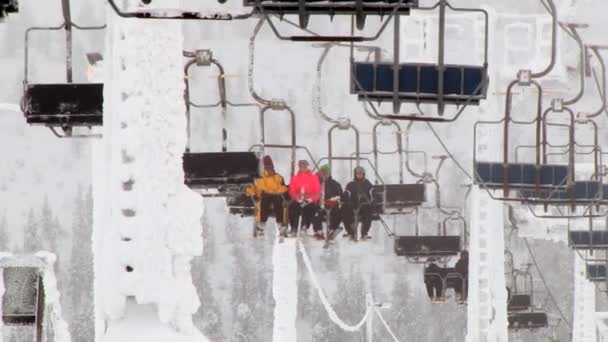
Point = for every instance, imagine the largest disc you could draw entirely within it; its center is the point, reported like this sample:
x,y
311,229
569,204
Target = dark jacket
x,y
331,189
462,266
358,192
433,272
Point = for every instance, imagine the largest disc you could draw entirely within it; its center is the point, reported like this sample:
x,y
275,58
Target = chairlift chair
x,y
597,272
62,105
8,6
360,9
394,198
440,245
530,180
521,314
216,174
440,83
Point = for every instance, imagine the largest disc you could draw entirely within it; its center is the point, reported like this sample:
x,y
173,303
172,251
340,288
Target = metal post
x,y
65,6
369,331
396,64
441,57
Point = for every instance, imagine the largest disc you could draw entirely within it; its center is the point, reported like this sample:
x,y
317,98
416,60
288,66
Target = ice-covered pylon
x,y
583,325
487,303
146,221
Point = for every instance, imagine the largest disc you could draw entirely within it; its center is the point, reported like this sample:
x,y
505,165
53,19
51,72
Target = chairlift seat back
x,y
519,302
520,176
419,82
426,246
585,239
527,320
394,197
220,170
453,278
69,104
597,273
241,205
332,7
20,298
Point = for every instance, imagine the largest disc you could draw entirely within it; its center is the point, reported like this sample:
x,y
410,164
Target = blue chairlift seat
x,y
582,192
521,175
585,239
427,246
596,273
333,7
519,302
64,104
419,82
527,320
221,170
393,198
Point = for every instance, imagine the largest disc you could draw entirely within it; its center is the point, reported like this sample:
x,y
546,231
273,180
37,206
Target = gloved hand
x,y
306,202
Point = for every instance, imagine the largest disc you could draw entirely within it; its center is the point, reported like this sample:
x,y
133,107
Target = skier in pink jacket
x,y
305,191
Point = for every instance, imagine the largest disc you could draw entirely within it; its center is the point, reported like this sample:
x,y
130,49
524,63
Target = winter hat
x,y
303,162
360,169
268,164
325,168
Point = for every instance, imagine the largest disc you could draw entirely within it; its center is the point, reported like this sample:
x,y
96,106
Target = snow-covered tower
x,y
146,221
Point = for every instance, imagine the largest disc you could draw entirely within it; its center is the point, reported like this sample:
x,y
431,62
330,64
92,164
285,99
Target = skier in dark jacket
x,y
331,192
357,201
433,279
462,268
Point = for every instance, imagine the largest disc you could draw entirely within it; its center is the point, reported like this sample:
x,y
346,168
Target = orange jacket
x,y
270,184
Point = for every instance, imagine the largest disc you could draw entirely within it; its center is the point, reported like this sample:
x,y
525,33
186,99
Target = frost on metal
x,y
24,300
148,230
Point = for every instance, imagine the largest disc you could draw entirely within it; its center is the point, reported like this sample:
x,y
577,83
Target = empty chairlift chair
x,y
537,182
439,83
224,174
391,199
305,8
597,272
521,314
62,105
588,239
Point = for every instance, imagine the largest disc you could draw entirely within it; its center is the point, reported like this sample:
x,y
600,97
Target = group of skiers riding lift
x,y
304,194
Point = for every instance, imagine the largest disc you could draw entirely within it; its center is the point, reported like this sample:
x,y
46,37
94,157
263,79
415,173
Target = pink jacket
x,y
305,185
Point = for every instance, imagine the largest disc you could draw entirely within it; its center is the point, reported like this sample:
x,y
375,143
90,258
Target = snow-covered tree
x,y
32,237
81,270
4,238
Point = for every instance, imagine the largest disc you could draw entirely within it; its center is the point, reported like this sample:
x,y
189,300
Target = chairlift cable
x,y
540,273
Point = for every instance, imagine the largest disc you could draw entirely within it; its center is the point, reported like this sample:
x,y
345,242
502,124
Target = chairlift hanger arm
x,y
574,34
320,110
49,28
185,15
550,6
601,88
